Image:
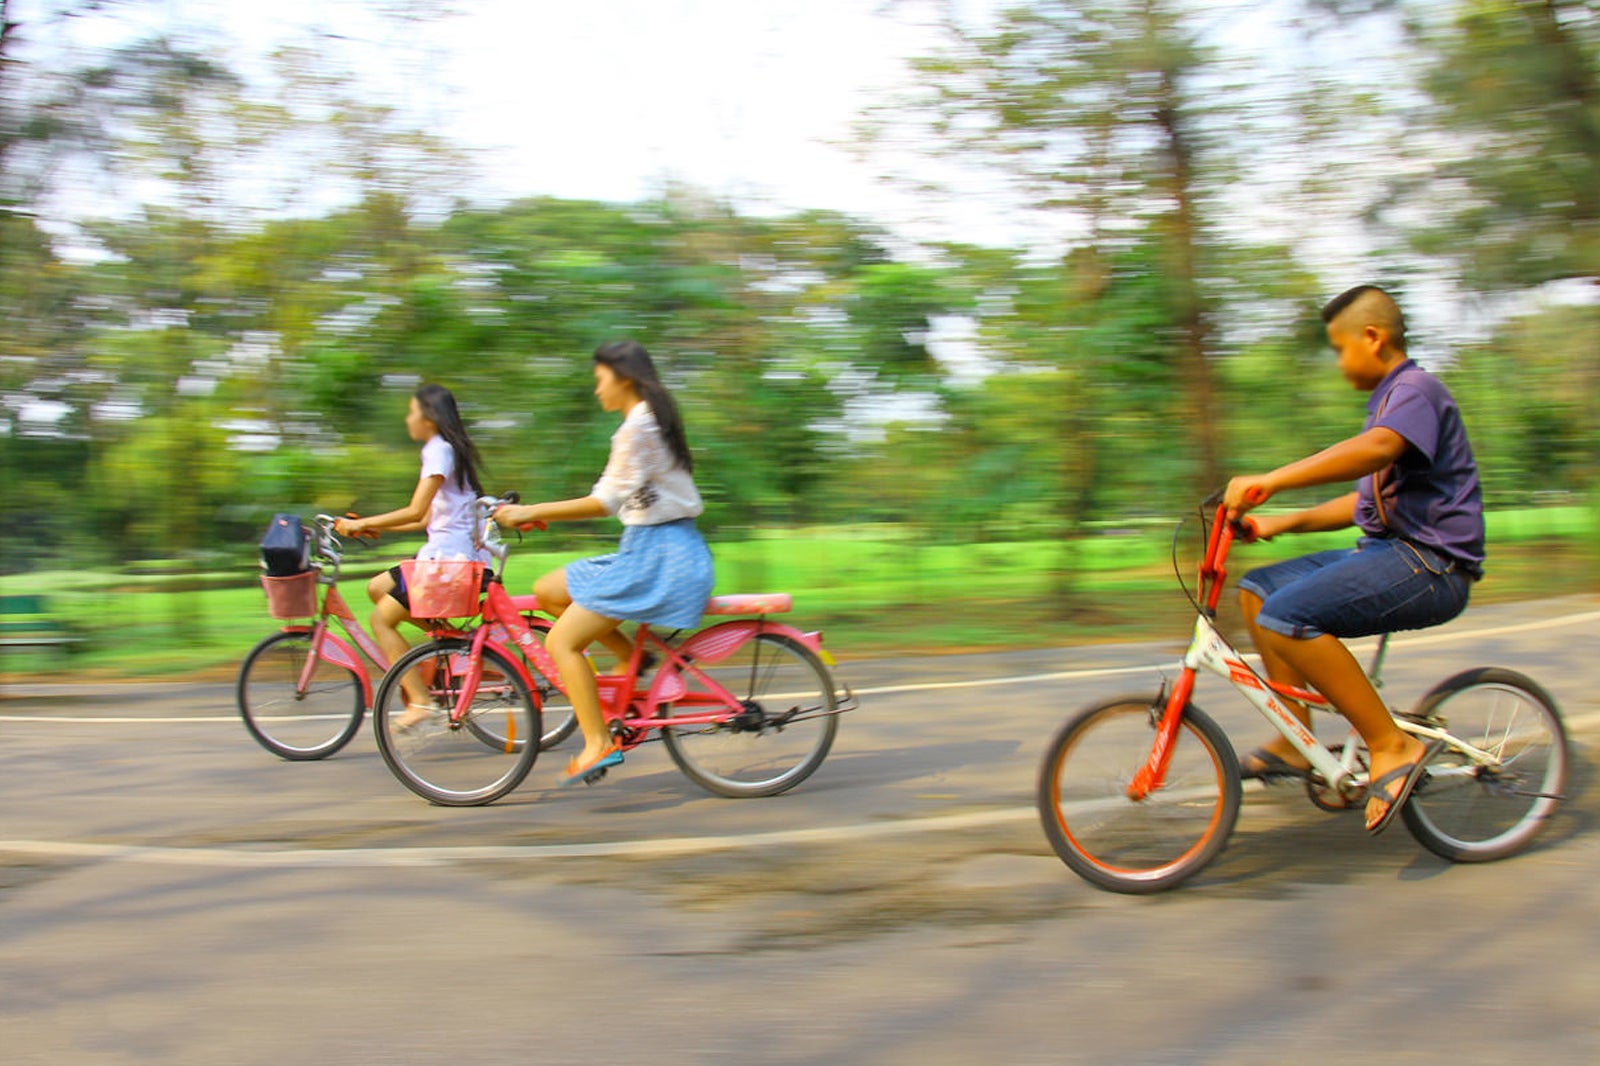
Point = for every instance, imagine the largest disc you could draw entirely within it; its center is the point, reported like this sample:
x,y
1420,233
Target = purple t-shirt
x,y
1430,494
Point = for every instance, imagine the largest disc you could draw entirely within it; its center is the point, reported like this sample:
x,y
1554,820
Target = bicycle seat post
x,y
1375,672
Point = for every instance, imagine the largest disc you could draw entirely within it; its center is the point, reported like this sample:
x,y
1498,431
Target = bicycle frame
x,y
504,625
1210,651
327,646
618,691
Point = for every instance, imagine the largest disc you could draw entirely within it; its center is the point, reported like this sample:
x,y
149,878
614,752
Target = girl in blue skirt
x,y
661,572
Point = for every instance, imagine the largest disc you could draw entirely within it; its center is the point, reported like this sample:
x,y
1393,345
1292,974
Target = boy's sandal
x,y
593,771
1412,776
1271,766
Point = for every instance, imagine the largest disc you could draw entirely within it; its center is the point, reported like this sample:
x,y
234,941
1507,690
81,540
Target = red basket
x,y
293,597
443,588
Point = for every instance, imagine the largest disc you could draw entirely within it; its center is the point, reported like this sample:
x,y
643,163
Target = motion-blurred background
x,y
965,303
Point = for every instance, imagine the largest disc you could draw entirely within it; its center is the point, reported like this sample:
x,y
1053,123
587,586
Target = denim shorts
x,y
1380,585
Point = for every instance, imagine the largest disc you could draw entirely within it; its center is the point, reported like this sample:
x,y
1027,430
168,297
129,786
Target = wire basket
x,y
293,597
443,588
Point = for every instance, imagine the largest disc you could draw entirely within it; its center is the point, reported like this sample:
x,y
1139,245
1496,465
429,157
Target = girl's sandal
x,y
592,772
416,714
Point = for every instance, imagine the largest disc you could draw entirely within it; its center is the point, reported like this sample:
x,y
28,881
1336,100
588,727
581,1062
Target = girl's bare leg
x,y
387,614
575,630
554,598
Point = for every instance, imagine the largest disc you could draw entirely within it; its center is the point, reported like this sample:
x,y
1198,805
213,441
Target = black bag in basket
x,y
285,549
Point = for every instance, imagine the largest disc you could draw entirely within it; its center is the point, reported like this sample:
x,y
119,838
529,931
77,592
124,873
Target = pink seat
x,y
751,603
524,604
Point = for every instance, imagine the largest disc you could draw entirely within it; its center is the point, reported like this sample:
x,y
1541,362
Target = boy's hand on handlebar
x,y
1244,493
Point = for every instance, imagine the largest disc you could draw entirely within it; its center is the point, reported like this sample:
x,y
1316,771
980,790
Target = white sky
x,y
750,100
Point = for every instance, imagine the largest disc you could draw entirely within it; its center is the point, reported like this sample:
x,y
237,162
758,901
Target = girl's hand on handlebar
x,y
510,516
352,526
1244,493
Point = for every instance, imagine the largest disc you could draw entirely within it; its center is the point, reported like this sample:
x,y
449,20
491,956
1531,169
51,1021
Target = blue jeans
x,y
1380,585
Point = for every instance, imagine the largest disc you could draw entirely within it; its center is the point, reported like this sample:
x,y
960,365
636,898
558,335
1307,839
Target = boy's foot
x,y
1391,788
1265,765
581,771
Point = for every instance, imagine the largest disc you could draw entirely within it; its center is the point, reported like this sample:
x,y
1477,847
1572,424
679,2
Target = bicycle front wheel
x,y
1490,801
1145,845
467,763
290,721
782,732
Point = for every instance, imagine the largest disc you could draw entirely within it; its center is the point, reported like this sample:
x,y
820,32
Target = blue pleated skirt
x,y
658,574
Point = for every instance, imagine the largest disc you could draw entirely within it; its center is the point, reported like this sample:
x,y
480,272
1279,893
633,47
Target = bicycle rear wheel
x,y
292,723
786,726
468,763
1471,812
1128,845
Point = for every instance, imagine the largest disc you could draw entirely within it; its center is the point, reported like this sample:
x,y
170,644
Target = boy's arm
x,y
1364,454
1338,513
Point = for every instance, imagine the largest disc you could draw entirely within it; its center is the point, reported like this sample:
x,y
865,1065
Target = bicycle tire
x,y
785,732
294,725
1141,846
1468,813
451,765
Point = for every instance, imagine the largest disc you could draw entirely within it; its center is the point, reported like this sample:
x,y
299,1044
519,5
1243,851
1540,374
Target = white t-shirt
x,y
643,484
454,508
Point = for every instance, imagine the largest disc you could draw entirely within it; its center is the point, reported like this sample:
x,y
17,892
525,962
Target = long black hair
x,y
628,359
438,406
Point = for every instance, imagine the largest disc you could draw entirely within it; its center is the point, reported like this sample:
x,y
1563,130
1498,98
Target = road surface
x,y
171,893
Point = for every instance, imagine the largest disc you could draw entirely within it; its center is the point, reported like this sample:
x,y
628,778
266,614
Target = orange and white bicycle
x,y
1141,792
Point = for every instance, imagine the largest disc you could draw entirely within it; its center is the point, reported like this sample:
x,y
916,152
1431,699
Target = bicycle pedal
x,y
593,776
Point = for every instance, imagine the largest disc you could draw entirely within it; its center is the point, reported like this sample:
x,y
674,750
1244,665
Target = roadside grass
x,y
875,591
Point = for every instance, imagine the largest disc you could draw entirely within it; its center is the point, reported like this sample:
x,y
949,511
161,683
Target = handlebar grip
x,y
1256,495
1245,529
529,527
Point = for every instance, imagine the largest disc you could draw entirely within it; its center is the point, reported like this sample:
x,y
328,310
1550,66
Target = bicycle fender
x,y
339,653
722,640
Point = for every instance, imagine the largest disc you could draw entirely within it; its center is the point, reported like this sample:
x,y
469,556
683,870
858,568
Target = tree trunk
x,y
1194,366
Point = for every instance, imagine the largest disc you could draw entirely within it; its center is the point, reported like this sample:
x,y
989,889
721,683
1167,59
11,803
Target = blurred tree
x,y
1514,197
1088,106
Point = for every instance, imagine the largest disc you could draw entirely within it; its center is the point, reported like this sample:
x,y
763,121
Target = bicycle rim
x,y
1141,845
1470,813
782,734
294,723
474,761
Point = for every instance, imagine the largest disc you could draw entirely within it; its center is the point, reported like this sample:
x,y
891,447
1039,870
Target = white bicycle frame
x,y
1211,652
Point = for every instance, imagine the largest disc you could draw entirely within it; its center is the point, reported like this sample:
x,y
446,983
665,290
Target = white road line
x,y
438,856
369,858
928,686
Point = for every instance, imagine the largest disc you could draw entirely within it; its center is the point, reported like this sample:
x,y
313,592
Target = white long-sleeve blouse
x,y
643,484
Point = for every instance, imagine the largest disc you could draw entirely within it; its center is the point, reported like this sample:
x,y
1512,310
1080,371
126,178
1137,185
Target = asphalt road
x,y
171,893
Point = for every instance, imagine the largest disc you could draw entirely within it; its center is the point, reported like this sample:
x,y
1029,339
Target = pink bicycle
x,y
1140,792
303,691
745,707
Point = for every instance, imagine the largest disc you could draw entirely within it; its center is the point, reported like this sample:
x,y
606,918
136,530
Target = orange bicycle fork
x,y
1153,773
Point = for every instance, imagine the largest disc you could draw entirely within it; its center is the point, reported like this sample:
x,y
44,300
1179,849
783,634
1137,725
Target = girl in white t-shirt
x,y
443,504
